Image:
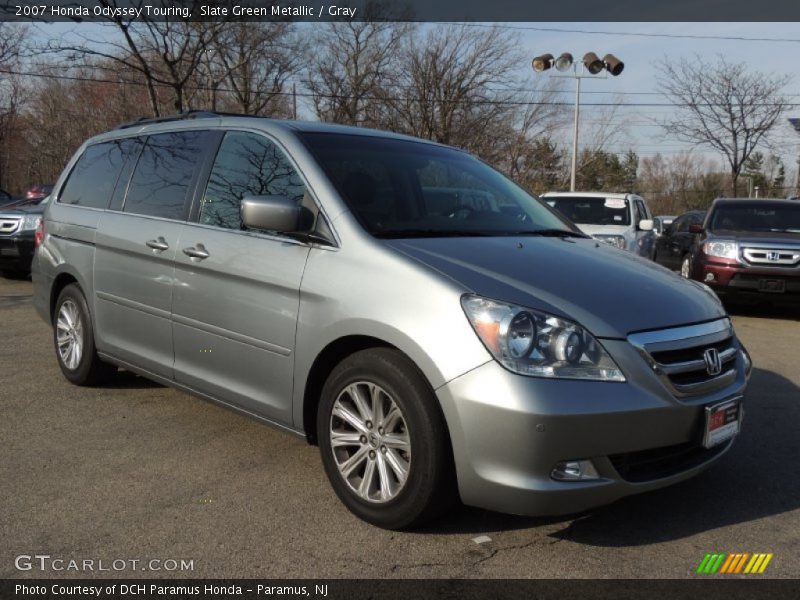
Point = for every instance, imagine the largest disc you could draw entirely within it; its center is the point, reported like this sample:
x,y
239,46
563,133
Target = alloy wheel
x,y
69,334
370,442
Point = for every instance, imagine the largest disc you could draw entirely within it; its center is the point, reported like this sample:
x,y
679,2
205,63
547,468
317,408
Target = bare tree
x,y
165,51
723,106
12,44
454,85
254,62
349,68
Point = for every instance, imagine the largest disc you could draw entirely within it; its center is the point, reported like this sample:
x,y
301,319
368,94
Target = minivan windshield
x,y
756,216
590,210
403,188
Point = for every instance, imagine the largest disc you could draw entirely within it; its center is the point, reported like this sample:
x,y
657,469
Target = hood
x,y
23,209
755,237
590,229
610,292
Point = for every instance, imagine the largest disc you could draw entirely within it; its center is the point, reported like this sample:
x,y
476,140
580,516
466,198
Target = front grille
x,y
657,463
9,225
678,356
764,255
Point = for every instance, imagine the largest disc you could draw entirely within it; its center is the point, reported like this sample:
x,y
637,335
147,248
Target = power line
x,y
489,102
684,36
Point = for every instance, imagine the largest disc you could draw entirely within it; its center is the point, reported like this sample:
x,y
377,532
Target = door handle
x,y
199,252
159,244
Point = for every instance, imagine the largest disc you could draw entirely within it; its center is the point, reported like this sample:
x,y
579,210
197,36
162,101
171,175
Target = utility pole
x,y
294,101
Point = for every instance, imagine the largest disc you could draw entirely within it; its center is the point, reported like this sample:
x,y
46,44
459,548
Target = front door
x,y
237,292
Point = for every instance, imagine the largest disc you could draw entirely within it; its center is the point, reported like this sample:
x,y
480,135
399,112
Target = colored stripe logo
x,y
742,562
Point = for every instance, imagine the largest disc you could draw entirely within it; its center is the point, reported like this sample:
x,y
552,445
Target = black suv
x,y
18,225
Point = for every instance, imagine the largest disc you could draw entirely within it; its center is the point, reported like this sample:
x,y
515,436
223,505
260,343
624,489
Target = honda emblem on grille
x,y
773,256
713,361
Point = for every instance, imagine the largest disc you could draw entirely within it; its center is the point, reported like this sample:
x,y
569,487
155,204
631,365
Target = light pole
x,y
796,124
589,67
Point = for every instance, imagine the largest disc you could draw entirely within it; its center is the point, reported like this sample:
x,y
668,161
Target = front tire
x,y
73,338
383,440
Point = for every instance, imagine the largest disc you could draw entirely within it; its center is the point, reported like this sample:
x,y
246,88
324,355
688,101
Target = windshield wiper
x,y
423,233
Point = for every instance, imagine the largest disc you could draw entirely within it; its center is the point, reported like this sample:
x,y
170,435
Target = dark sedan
x,y
675,245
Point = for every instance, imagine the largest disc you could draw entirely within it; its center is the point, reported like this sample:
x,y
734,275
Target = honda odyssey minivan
x,y
436,330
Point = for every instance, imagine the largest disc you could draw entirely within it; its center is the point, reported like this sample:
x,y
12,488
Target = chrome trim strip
x,y
681,338
695,365
231,335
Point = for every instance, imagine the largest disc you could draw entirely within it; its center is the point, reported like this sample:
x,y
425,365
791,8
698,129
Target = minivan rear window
x,y
94,176
163,176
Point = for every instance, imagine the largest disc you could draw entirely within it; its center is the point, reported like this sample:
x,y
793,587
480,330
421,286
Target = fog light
x,y
574,470
711,276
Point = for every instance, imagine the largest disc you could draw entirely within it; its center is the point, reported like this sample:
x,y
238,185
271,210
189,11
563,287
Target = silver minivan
x,y
436,330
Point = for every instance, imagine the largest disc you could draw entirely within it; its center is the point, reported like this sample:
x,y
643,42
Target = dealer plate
x,y
723,421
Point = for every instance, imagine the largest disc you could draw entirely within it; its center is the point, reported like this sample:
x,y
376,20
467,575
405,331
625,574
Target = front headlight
x,y
721,249
530,342
614,240
30,222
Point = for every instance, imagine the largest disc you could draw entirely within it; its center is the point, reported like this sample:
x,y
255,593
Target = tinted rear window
x,y
764,216
94,176
592,211
164,174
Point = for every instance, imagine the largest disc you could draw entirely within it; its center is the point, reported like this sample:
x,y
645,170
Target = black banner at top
x,y
403,10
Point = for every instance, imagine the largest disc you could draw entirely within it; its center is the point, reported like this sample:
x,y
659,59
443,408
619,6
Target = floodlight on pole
x,y
542,63
591,66
564,62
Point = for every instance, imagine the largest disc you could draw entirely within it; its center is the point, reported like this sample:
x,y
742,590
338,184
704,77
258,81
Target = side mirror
x,y
646,224
694,228
275,213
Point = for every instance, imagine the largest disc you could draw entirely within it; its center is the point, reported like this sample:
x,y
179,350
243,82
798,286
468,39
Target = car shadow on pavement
x,y
751,481
126,380
764,310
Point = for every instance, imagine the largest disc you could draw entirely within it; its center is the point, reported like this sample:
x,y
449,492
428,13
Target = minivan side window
x,y
163,176
246,164
95,175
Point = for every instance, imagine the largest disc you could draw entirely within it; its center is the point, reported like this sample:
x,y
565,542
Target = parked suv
x,y
749,247
622,220
427,322
18,225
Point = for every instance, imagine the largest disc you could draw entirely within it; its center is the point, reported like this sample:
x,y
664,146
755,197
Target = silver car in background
x,y
436,330
622,220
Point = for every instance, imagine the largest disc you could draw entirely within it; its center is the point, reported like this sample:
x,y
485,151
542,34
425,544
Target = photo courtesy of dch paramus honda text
x,y
440,333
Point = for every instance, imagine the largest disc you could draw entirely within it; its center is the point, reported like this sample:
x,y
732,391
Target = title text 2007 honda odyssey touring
x,y
434,328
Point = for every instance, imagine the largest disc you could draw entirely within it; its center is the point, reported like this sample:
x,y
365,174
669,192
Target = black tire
x,y
430,485
16,274
89,370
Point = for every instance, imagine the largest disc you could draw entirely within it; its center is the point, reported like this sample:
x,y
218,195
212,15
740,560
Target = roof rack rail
x,y
183,116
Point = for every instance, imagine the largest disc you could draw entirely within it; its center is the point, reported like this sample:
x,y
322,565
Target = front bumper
x,y
16,251
731,277
509,431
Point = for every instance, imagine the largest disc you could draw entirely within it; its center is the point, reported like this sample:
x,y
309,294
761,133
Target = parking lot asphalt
x,y
136,471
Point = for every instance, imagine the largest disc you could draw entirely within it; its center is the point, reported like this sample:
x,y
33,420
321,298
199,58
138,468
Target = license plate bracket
x,y
772,286
722,422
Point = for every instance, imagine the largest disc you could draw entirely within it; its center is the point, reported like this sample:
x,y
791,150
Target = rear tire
x,y
386,422
73,339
